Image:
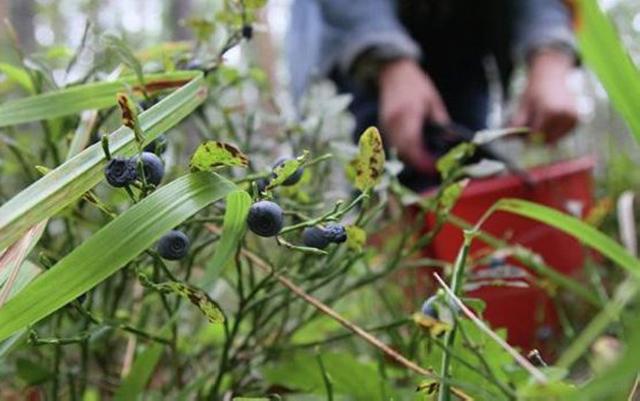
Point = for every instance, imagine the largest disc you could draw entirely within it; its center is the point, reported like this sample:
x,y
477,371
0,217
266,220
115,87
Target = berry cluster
x,y
121,171
321,237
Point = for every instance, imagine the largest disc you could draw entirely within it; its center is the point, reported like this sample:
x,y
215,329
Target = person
x,y
409,63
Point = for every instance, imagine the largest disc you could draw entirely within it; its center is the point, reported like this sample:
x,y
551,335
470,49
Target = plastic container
x,y
528,313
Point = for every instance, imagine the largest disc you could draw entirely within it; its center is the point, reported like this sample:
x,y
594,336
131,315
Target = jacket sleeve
x,y
543,23
355,26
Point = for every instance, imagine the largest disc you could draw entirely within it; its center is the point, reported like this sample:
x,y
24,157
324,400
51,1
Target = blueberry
x,y
336,233
194,64
247,32
429,307
147,103
173,245
120,172
265,218
152,167
315,237
158,145
261,184
293,178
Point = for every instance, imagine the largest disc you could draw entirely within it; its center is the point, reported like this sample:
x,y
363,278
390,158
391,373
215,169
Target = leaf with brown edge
x,y
130,116
197,297
370,162
213,154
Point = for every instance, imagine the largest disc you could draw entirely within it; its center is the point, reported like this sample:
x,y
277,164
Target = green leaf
x,y
72,179
453,159
18,75
111,248
197,297
602,50
369,164
134,384
85,97
574,227
212,154
286,169
356,237
233,228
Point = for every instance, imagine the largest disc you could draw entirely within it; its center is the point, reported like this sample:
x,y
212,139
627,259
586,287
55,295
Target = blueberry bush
x,y
167,232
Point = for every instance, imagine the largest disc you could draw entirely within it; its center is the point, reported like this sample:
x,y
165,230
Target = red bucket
x,y
528,314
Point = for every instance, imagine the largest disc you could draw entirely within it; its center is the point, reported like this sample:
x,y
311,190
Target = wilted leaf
x,y
356,238
286,169
197,297
130,116
212,154
370,162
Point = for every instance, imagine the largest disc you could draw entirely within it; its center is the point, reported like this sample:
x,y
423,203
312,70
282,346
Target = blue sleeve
x,y
357,25
542,23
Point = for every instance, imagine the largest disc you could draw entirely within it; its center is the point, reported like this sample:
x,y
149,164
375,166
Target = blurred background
x,y
50,30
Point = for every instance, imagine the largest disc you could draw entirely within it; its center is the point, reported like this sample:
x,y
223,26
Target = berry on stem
x,y
429,307
152,167
293,178
336,233
315,237
158,145
120,172
174,245
265,218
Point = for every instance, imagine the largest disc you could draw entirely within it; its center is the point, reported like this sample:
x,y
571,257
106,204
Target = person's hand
x,y
407,99
548,105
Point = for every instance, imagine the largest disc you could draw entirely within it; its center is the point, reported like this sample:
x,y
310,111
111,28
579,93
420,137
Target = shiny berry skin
x,y
120,172
153,168
336,233
429,307
315,237
174,245
265,218
293,178
158,145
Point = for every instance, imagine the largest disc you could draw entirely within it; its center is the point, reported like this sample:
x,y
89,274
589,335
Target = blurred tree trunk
x,y
179,11
21,14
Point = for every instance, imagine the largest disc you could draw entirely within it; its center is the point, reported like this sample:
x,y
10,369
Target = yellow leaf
x,y
370,162
356,238
212,154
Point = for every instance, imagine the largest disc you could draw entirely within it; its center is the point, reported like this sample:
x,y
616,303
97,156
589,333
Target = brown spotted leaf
x,y
130,115
213,154
370,162
197,297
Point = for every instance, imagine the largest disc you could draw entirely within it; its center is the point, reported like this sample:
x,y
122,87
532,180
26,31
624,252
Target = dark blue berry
x,y
247,32
173,245
158,145
265,218
261,184
429,307
147,103
315,237
153,168
336,233
293,178
120,172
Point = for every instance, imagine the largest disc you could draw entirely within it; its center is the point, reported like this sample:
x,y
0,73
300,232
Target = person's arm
x,y
545,41
373,46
